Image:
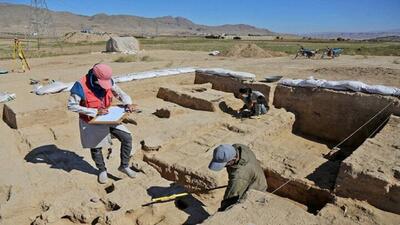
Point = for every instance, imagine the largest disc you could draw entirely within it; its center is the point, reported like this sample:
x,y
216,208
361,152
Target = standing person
x,y
244,171
254,103
91,96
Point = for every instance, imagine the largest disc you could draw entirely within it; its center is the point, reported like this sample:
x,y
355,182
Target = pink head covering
x,y
103,73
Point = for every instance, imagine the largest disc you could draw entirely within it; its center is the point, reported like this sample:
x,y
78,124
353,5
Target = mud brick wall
x,y
198,101
17,119
230,84
372,172
334,115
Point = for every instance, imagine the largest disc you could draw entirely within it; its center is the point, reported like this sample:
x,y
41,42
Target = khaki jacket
x,y
245,174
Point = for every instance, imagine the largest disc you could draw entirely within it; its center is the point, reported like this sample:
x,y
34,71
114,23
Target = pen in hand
x,y
102,111
131,108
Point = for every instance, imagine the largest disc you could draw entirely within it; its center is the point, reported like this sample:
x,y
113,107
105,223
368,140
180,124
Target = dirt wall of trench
x,y
232,85
313,197
333,115
190,179
372,172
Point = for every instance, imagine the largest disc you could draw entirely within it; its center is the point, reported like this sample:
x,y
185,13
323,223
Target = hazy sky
x,y
291,16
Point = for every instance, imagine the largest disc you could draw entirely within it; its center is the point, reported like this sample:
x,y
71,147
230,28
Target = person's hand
x,y
102,112
131,108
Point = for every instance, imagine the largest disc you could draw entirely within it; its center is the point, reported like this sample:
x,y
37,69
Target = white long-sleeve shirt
x,y
96,135
74,102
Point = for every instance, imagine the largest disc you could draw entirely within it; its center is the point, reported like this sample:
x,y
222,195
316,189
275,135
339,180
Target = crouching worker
x,y
91,96
244,172
254,103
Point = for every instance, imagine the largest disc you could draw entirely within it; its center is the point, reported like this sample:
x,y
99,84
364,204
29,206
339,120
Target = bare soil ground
x,y
47,178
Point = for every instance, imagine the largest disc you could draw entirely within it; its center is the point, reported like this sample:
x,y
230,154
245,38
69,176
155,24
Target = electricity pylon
x,y
41,21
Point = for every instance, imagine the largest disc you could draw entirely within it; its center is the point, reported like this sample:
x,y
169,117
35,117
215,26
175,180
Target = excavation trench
x,y
334,117
312,197
321,116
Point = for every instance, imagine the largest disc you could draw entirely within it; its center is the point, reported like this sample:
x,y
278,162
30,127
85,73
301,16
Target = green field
x,y
49,48
53,48
290,47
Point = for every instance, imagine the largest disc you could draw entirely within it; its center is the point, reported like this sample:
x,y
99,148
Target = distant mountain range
x,y
15,19
355,35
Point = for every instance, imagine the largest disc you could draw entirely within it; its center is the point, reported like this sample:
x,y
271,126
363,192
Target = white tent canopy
x,y
126,45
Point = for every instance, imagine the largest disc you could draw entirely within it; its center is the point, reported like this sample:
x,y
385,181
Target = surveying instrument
x,y
18,54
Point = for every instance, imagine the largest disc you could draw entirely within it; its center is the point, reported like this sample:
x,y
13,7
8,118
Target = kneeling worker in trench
x,y
254,103
244,172
90,97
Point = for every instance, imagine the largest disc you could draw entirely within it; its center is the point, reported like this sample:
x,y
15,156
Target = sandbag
x,y
54,87
380,89
152,74
290,82
3,71
352,85
311,82
227,73
6,97
214,53
344,85
334,85
397,92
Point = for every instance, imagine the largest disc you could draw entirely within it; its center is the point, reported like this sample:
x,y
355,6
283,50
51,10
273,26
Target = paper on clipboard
x,y
114,116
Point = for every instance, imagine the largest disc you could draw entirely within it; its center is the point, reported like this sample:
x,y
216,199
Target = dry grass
x,y
133,58
287,46
50,48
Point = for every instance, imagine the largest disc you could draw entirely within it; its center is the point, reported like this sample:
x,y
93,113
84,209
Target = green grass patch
x,y
288,46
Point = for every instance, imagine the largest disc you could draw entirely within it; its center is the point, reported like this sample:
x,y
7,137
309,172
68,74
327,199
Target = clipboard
x,y
115,115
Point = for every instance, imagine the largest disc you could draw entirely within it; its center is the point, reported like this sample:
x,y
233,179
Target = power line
x,y
41,21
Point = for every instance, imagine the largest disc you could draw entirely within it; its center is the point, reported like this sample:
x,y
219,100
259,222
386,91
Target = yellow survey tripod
x,y
19,52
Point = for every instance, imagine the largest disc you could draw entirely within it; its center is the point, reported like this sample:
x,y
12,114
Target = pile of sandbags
x,y
152,74
6,97
227,73
343,85
52,87
58,86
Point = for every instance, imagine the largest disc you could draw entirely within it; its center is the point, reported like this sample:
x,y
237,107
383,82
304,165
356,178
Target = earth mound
x,y
251,51
76,37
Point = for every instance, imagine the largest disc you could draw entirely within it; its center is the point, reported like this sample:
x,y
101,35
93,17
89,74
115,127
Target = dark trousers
x,y
126,148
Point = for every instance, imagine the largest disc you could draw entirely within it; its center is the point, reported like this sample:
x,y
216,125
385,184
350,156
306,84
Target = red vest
x,y
92,101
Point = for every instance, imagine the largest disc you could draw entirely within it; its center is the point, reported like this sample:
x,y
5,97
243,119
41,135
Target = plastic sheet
x,y
152,74
227,73
344,85
54,87
6,97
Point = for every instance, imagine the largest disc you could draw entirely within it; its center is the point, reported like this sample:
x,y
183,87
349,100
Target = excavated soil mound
x,y
75,37
251,51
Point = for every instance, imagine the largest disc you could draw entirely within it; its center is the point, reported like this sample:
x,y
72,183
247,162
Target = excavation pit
x,y
291,143
288,141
